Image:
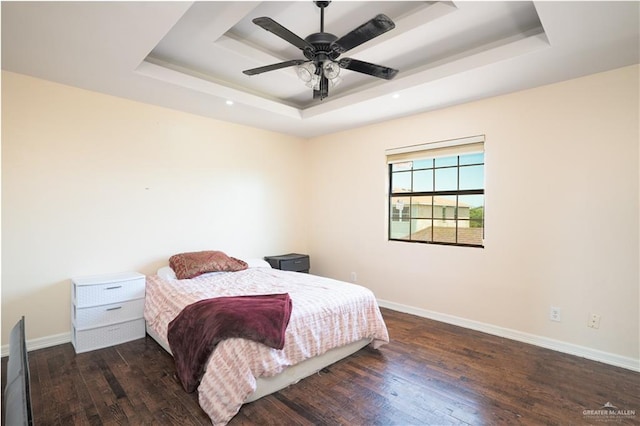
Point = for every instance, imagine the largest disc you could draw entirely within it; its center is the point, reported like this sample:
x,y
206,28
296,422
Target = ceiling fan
x,y
322,50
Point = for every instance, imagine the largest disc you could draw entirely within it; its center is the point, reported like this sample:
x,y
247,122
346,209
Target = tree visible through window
x,y
437,199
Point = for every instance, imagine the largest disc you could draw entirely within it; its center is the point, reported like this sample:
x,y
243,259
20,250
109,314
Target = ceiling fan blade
x,y
368,68
365,32
274,67
272,26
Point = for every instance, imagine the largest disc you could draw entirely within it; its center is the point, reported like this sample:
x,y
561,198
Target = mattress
x,y
326,314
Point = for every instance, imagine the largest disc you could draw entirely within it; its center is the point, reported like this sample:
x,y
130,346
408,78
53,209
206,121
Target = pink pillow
x,y
190,265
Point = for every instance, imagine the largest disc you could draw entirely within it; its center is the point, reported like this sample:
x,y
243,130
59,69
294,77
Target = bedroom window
x,y
436,192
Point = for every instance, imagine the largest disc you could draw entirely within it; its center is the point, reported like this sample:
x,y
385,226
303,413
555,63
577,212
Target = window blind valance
x,y
469,145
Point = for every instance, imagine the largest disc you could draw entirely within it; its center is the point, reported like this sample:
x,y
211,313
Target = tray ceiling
x,y
190,56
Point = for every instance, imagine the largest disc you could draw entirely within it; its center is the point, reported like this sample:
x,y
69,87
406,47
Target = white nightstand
x,y
106,310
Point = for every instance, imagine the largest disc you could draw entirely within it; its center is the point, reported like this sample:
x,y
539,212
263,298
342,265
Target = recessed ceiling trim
x,y
499,50
182,79
404,24
246,49
224,15
491,53
255,54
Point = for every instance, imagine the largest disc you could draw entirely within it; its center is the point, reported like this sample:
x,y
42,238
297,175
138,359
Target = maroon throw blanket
x,y
195,332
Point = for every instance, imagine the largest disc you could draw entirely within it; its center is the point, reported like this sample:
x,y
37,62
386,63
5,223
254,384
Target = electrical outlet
x,y
554,314
354,277
594,321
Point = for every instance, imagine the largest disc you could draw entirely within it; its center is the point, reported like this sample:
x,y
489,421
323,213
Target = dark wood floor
x,y
430,373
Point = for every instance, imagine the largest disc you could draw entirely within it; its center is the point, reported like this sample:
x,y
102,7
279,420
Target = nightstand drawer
x,y
300,264
98,316
112,292
102,337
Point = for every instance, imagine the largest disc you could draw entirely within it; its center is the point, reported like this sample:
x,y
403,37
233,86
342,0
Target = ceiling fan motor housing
x,y
322,43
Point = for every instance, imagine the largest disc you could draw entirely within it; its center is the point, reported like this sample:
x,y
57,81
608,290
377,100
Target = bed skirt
x,y
294,373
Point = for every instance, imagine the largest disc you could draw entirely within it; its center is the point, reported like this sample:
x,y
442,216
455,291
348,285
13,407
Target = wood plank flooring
x,y
430,374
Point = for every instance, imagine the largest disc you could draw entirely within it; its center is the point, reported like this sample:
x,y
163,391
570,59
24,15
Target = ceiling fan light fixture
x,y
314,82
306,71
331,69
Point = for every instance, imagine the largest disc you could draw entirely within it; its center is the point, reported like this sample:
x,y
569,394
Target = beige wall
x,y
94,184
570,147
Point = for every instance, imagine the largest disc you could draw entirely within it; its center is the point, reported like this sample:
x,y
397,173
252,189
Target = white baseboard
x,y
545,342
41,342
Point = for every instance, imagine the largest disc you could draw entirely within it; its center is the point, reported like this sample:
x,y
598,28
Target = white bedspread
x,y
326,314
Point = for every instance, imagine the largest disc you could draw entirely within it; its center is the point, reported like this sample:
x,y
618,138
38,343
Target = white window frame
x,y
439,149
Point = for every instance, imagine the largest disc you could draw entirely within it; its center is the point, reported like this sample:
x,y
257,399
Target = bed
x,y
329,320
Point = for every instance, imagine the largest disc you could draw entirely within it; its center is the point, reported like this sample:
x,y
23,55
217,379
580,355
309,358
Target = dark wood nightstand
x,y
290,262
